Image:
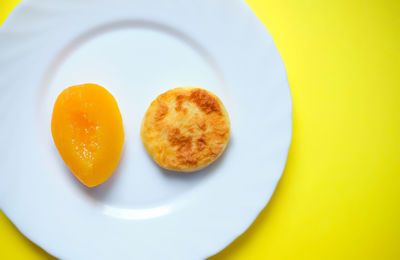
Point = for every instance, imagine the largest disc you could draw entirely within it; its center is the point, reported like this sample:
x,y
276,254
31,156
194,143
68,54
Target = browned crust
x,y
206,102
185,129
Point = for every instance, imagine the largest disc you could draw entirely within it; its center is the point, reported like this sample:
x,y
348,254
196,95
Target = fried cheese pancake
x,y
185,129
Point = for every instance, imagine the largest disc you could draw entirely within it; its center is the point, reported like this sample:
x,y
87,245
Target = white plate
x,y
137,50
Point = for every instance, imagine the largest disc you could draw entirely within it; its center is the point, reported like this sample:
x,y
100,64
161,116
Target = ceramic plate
x,y
137,50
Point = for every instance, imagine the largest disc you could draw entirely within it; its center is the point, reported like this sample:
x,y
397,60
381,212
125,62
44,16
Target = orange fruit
x,y
87,130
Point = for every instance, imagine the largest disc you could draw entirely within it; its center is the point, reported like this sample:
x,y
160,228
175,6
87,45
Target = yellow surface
x,y
339,197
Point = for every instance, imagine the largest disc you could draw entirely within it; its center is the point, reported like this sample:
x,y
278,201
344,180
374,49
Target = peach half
x,y
87,130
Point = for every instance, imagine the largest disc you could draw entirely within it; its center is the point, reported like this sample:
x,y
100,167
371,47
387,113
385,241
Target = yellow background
x,y
339,197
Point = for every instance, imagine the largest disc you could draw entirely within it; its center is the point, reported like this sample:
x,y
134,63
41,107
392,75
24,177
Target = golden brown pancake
x,y
185,129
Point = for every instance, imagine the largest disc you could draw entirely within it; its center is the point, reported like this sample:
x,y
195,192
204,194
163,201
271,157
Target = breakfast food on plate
x,y
185,129
87,130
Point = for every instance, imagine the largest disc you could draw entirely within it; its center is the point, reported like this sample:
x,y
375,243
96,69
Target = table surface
x,y
339,194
